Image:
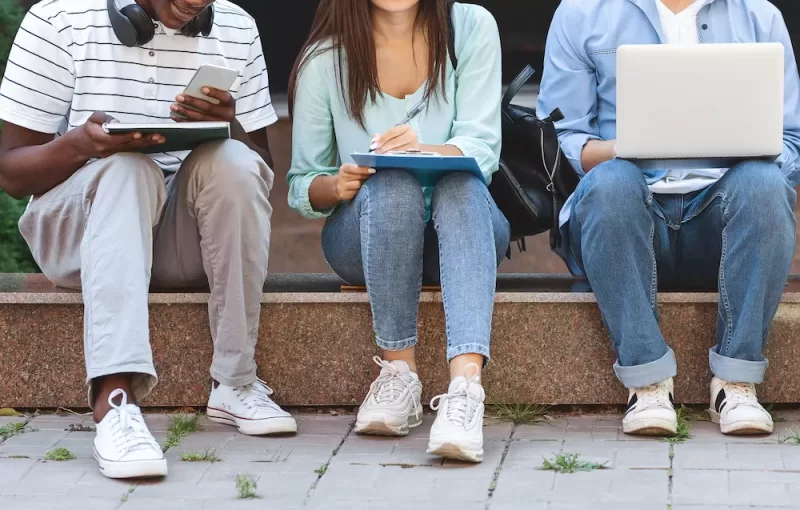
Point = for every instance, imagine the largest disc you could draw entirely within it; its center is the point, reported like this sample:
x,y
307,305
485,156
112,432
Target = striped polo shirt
x,y
66,63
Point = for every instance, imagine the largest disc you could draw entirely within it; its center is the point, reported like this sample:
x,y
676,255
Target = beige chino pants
x,y
116,225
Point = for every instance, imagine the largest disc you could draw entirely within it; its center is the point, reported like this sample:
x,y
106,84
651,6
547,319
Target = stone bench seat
x,y
316,341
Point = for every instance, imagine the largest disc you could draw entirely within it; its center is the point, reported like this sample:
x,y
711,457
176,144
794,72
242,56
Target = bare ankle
x,y
102,388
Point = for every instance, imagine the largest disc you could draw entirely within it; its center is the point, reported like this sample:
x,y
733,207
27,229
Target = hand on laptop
x,y
202,111
94,143
596,152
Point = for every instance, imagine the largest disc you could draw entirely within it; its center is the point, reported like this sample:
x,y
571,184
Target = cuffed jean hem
x,y
397,345
737,370
460,349
639,376
144,379
234,382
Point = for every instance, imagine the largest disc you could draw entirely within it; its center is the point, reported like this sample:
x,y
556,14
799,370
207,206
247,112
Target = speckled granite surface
x,y
315,347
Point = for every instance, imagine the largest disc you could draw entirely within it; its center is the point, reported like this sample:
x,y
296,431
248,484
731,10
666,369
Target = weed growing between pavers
x,y
246,486
570,463
792,436
682,432
59,455
321,470
208,456
126,494
179,428
12,429
521,414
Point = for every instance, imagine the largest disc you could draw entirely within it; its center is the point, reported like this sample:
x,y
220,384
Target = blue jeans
x,y
737,236
381,239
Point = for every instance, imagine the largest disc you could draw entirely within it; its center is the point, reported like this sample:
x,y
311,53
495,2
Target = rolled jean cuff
x,y
397,345
144,379
737,370
639,376
235,382
458,350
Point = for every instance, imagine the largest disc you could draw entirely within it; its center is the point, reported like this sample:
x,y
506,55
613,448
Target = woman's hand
x,y
191,109
400,138
350,179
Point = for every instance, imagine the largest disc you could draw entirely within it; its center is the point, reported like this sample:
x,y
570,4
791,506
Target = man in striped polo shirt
x,y
109,220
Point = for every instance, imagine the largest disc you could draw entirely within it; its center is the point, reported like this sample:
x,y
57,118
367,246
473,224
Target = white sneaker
x,y
735,407
393,404
457,432
250,409
651,411
123,446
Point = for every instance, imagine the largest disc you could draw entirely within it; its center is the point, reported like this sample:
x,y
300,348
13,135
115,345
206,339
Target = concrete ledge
x,y
315,344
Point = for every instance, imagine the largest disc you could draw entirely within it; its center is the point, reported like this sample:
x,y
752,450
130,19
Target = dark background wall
x,y
523,28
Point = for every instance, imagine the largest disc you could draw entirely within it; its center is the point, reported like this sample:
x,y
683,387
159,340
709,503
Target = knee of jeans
x,y
760,190
613,187
234,171
459,194
394,192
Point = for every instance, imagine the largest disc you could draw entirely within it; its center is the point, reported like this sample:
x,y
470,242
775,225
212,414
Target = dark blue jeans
x,y
382,239
737,235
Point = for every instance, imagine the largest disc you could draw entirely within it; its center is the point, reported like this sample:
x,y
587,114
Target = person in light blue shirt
x,y
366,65
631,231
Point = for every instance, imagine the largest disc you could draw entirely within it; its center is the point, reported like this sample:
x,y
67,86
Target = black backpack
x,y
535,178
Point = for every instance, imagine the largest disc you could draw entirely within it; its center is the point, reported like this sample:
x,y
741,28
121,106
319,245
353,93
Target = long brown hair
x,y
345,26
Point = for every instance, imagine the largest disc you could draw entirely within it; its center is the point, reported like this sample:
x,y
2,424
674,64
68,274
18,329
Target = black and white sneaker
x,y
735,407
651,411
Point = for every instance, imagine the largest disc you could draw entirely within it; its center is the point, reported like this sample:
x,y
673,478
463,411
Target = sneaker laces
x,y
130,431
461,404
655,395
740,394
390,385
256,395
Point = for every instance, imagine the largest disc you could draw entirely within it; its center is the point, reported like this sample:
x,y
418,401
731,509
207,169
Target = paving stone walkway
x,y
326,467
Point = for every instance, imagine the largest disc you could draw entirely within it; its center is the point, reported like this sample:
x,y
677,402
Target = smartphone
x,y
209,75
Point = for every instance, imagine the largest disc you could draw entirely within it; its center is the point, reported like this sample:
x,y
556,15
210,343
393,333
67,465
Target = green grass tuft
x,y
521,414
246,486
59,455
682,432
208,456
11,430
179,428
321,470
792,436
570,463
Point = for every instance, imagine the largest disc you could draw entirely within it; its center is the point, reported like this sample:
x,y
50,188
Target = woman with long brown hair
x,y
365,66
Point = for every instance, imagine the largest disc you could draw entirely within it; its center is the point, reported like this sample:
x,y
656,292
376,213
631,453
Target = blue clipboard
x,y
427,169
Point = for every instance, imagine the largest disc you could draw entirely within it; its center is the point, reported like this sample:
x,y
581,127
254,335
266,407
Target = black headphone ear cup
x,y
132,25
202,24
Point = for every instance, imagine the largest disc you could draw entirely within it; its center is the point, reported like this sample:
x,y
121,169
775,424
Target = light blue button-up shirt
x,y
580,74
468,117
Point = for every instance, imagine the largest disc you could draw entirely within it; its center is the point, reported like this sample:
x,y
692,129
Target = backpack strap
x,y
451,35
517,84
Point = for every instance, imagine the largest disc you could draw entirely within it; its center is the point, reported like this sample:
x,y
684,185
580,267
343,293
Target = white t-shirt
x,y
681,28
66,63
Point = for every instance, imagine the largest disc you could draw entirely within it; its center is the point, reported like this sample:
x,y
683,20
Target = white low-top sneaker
x,y
250,409
393,404
457,432
651,411
735,407
123,446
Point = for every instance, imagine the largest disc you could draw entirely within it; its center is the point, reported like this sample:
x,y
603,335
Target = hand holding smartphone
x,y
209,75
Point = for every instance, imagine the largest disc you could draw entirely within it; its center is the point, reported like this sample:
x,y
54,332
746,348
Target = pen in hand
x,y
411,115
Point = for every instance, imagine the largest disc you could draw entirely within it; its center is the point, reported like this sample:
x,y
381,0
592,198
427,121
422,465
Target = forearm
x,y
444,150
596,152
36,169
238,133
322,193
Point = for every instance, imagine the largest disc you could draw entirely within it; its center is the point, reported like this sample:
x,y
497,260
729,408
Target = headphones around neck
x,y
134,27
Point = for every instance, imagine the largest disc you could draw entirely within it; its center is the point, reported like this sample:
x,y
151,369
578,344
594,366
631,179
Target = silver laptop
x,y
699,106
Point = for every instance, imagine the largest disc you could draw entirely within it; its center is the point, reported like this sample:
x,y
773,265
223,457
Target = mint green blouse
x,y
324,134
